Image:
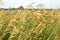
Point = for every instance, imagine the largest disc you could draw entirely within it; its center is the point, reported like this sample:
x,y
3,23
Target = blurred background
x,y
48,4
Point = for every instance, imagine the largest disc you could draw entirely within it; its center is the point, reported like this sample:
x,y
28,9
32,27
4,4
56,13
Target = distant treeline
x,y
21,7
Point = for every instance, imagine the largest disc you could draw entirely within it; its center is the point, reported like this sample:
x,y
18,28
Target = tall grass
x,y
30,24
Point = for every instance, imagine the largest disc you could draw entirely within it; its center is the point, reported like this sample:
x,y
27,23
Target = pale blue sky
x,y
24,3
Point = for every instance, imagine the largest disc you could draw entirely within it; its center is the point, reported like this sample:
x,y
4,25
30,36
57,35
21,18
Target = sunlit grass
x,y
30,24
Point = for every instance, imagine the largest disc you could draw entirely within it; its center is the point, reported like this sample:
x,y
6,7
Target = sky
x,y
25,3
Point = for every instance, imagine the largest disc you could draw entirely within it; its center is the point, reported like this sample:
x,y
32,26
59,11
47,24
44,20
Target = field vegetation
x,y
30,24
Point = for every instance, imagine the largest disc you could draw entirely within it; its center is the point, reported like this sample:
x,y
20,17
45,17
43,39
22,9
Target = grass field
x,y
30,24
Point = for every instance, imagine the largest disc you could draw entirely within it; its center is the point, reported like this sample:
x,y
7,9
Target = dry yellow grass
x,y
30,24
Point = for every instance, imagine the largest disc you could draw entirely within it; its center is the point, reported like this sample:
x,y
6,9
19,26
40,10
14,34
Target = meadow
x,y
30,24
